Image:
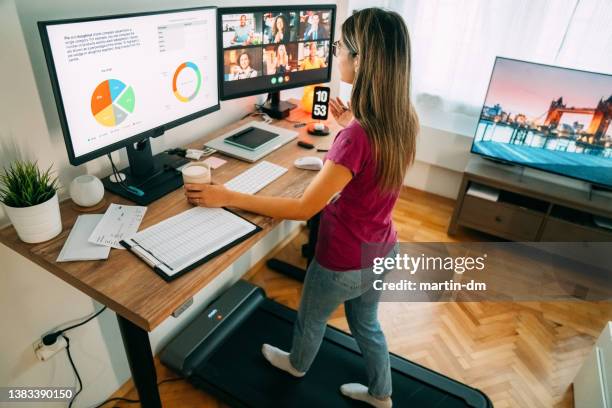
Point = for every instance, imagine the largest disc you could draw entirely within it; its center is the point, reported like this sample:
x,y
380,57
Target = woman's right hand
x,y
341,112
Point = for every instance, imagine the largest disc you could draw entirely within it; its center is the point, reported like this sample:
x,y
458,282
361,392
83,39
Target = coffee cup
x,y
196,173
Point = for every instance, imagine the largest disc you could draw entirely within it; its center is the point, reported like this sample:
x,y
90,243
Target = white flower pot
x,y
37,223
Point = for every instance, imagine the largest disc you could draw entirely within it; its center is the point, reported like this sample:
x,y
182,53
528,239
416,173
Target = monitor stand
x,y
148,177
275,108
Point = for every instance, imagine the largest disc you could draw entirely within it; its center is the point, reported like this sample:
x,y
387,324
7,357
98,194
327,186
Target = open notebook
x,y
182,242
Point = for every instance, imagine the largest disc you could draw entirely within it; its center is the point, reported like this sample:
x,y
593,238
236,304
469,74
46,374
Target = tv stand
x,y
602,189
517,207
502,162
275,108
148,177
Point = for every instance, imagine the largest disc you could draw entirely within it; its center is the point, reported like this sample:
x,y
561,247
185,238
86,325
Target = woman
x,y
278,29
243,70
281,60
366,164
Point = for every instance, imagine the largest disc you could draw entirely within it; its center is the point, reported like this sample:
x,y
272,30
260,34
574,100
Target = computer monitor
x,y
268,49
119,80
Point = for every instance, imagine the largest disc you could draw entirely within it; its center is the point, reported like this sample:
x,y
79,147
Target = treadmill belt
x,y
239,373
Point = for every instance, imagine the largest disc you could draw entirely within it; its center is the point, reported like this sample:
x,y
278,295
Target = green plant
x,y
23,184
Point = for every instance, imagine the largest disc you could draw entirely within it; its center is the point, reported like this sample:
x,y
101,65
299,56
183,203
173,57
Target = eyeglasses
x,y
336,45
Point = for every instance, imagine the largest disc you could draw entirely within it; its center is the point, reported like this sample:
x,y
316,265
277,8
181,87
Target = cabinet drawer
x,y
501,219
561,230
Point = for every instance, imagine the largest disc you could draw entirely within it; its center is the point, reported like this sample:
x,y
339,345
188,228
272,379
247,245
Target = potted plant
x,y
29,198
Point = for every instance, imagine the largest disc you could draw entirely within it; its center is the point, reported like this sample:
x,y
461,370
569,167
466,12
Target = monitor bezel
x,y
494,158
298,7
153,132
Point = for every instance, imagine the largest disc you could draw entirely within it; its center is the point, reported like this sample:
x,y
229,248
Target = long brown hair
x,y
380,99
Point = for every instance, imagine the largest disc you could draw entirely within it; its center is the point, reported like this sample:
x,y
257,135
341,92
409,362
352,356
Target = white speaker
x,y
86,190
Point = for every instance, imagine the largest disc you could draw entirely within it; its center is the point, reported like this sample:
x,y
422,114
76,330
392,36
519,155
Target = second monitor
x,y
268,49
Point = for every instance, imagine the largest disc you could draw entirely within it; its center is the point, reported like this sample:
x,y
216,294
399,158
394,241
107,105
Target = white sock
x,y
280,359
360,392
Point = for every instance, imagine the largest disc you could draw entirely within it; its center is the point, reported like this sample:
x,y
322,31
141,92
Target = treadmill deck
x,y
239,374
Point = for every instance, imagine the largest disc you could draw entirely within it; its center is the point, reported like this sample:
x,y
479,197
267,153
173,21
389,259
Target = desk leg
x,y
308,251
142,366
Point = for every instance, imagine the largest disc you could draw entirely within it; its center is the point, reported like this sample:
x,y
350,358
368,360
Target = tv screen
x,y
265,49
548,118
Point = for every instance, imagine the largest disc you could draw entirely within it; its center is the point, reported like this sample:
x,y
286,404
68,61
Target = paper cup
x,y
196,173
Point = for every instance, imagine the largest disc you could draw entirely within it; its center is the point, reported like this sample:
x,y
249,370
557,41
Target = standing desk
x,y
140,298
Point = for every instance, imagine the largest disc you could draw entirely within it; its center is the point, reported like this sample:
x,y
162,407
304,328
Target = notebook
x,y
182,242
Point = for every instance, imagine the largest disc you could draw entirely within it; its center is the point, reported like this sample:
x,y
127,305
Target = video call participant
x,y
313,61
314,30
367,163
243,70
278,60
242,34
280,30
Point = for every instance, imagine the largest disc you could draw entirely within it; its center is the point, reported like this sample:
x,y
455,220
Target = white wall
x,y
441,155
32,301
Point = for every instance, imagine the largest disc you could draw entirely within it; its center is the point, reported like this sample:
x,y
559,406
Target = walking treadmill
x,y
220,353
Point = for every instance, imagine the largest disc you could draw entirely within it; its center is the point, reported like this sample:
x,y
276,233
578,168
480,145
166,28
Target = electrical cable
x,y
116,173
51,338
132,401
76,372
129,401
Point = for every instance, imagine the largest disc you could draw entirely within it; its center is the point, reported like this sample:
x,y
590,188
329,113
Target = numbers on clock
x,y
319,103
320,110
321,95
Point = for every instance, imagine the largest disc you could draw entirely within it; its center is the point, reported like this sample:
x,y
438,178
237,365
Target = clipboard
x,y
139,244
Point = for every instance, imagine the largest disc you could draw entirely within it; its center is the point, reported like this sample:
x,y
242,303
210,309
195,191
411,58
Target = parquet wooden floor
x,y
520,354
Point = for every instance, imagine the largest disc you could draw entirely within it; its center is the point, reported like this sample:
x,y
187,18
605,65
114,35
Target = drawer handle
x,y
498,218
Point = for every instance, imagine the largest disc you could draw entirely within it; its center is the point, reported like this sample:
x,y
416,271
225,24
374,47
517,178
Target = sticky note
x,y
215,162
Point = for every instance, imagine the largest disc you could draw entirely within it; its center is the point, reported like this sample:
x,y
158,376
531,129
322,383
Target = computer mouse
x,y
309,163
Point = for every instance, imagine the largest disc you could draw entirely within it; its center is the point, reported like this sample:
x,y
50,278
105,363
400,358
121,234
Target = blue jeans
x,y
323,292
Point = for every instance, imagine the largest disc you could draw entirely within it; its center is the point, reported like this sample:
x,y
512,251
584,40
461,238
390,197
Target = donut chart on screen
x,y
183,88
111,102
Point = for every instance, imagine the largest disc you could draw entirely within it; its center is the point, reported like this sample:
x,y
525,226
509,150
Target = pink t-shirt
x,y
362,212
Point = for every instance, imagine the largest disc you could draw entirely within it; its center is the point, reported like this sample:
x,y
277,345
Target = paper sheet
x,y
119,222
77,247
484,192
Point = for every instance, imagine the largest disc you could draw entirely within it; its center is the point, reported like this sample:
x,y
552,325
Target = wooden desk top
x,y
128,286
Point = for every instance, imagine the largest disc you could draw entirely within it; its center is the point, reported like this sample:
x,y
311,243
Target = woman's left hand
x,y
207,195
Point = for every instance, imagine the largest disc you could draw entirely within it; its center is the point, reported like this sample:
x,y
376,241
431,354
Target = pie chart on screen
x,y
112,102
186,81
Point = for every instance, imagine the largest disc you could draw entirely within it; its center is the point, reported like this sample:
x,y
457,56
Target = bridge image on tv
x,y
549,118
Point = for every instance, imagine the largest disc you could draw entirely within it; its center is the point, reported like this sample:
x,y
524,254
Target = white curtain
x,y
455,42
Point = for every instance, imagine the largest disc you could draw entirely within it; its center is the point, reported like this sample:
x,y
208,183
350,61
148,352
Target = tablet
x,y
250,138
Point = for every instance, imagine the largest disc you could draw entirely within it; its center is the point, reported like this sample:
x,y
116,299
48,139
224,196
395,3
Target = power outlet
x,y
44,353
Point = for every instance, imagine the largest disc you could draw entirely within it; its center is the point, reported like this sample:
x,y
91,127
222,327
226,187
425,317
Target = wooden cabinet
x,y
558,230
521,208
501,219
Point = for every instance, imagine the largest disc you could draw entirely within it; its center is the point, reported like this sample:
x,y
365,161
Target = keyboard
x,y
256,178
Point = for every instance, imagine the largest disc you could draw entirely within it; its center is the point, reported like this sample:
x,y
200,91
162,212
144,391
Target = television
x,y
548,118
119,80
268,49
